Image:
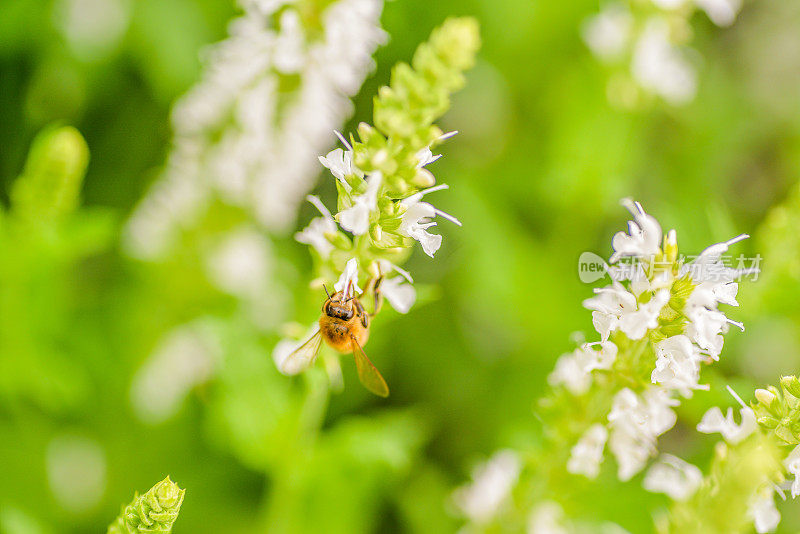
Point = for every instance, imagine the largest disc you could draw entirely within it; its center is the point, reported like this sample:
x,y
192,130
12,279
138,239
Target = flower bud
x,y
767,398
785,434
376,232
767,422
423,178
671,247
792,385
338,240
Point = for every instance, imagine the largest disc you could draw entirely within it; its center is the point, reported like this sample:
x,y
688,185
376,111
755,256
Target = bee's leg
x,y
361,313
378,297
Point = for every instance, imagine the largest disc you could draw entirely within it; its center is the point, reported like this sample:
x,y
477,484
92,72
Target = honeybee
x,y
344,325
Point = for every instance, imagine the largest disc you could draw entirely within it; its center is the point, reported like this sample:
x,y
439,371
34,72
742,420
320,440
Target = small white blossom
x,y
674,477
415,221
340,163
636,422
615,307
348,281
636,324
314,233
677,365
762,511
644,234
425,157
573,369
792,465
587,455
491,485
714,421
401,295
608,306
356,218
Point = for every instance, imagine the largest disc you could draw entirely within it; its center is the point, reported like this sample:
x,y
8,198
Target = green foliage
x,y
154,511
50,184
720,505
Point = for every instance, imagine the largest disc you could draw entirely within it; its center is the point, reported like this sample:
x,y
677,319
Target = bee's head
x,y
338,307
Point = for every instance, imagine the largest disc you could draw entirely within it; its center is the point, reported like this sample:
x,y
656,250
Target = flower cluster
x,y
247,134
646,42
381,177
656,330
769,426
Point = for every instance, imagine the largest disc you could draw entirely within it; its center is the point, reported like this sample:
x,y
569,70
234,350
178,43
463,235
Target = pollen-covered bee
x,y
344,325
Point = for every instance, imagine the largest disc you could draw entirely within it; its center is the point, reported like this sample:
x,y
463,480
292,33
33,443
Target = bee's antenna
x,y
326,291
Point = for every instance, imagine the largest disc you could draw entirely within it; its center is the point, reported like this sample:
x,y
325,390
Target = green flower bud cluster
x,y
778,411
384,164
155,511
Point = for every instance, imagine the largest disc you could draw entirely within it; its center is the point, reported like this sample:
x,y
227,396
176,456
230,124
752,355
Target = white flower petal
x,y
674,477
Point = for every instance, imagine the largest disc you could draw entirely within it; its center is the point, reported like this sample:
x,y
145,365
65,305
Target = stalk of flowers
x,y
246,139
757,461
658,323
248,133
381,176
645,44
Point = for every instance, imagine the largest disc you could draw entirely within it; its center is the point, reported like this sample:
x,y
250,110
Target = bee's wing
x,y
303,356
367,372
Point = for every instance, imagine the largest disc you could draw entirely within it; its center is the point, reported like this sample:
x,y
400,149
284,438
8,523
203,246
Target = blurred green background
x,y
536,175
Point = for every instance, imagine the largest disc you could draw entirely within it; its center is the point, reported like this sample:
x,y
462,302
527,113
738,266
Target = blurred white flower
x,y
240,141
721,12
573,369
547,517
762,511
314,233
608,33
416,220
92,28
636,422
491,485
356,218
76,472
792,465
587,455
659,66
185,358
242,263
289,54
674,477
